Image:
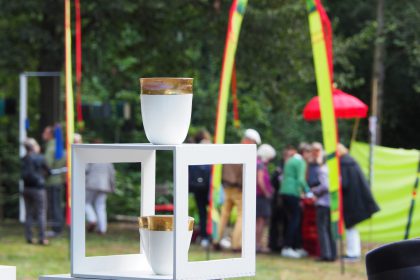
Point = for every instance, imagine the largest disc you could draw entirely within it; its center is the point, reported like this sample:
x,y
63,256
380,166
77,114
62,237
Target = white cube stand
x,y
7,272
135,266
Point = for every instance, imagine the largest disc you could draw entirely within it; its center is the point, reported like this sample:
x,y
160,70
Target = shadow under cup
x,y
157,241
166,105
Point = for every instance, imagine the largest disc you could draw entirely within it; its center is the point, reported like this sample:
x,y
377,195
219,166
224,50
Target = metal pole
x,y
372,130
342,264
23,116
412,204
42,74
355,128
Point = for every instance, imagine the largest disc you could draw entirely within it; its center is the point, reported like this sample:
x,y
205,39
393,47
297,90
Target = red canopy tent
x,y
346,106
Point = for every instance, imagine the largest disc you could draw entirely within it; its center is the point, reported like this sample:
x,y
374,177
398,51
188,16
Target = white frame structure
x,y
23,117
135,266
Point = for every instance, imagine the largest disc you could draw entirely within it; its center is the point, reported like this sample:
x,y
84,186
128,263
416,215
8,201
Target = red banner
x,y
78,63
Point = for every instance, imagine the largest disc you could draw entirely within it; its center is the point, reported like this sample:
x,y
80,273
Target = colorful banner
x,y
396,172
329,124
69,104
78,64
326,27
235,102
237,11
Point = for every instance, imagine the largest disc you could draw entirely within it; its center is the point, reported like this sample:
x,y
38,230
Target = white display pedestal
x,y
58,277
135,266
7,272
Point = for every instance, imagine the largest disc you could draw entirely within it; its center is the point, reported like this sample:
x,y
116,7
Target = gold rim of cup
x,y
166,86
161,223
143,222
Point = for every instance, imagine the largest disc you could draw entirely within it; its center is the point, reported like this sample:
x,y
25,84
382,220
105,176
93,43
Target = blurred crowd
x,y
293,203
44,176
293,198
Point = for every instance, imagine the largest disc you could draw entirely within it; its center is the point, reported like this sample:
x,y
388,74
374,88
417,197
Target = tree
x,y
125,40
378,71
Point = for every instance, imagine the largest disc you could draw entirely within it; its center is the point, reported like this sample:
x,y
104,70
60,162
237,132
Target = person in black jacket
x,y
199,185
34,172
358,202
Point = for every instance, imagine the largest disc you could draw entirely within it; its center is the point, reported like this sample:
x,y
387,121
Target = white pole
x,y
372,130
23,115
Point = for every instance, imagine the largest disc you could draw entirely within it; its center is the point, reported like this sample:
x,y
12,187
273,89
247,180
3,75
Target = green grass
x,y
34,260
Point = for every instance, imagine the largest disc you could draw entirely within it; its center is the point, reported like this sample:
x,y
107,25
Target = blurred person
x,y
34,172
358,202
293,186
77,139
199,185
232,187
319,186
278,217
56,182
265,154
100,180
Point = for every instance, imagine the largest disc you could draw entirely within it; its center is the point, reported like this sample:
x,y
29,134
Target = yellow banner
x,y
237,11
329,124
69,102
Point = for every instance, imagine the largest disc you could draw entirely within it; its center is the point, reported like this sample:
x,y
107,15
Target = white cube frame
x,y
135,266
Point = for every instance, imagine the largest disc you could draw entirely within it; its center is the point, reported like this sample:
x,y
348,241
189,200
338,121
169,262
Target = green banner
x,y
395,173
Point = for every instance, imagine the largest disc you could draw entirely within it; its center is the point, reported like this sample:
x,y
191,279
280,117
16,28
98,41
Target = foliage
x,y
126,200
9,168
125,40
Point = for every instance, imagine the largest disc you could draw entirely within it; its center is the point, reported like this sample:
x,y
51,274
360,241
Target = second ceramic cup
x,y
157,240
166,109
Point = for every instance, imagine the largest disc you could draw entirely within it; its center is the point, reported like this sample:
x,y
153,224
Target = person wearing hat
x,y
232,186
292,187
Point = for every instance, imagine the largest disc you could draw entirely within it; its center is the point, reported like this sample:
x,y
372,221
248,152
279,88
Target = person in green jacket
x,y
55,183
293,186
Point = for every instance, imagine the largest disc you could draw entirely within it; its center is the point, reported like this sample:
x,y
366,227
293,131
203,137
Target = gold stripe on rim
x,y
166,86
143,222
162,223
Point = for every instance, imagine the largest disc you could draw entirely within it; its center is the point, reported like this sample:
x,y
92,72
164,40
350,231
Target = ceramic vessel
x,y
144,235
157,240
166,109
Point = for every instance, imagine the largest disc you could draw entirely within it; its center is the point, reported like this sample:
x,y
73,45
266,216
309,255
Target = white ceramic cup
x,y
166,105
144,235
158,242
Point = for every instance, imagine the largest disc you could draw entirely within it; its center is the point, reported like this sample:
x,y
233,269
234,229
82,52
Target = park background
x,y
125,40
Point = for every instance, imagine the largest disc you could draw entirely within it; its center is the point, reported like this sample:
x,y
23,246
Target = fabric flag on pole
x,y
326,27
78,64
236,121
69,104
237,11
59,145
329,125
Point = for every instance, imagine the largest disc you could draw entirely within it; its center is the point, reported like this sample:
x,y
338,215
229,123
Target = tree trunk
x,y
51,59
378,73
49,101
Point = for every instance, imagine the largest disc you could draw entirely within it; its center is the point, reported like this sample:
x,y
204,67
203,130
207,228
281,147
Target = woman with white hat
x,y
265,191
